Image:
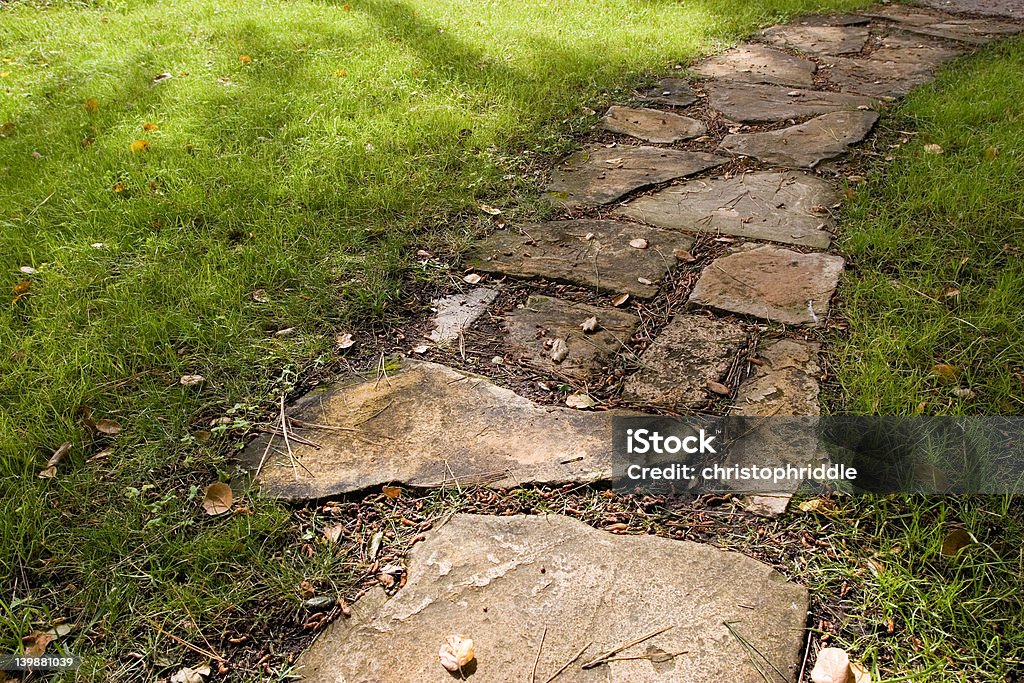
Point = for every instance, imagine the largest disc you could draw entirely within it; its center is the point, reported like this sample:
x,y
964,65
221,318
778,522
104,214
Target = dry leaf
x,y
306,589
559,350
138,146
832,666
719,388
421,349
456,653
490,210
955,541
260,296
340,73
860,674
391,491
218,499
933,149
22,288
620,300
945,372
160,78
50,471
991,153
590,325
150,127
91,105
684,256
344,340
28,270
245,59
108,427
472,279
35,643
817,505
191,380
333,533
189,675
639,243
644,281
580,401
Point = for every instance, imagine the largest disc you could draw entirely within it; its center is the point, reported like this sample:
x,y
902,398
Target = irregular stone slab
x,y
1011,9
807,144
675,92
533,328
759,64
652,125
820,40
835,20
786,383
455,313
690,352
751,103
599,175
941,25
892,70
769,282
780,207
426,424
502,580
589,253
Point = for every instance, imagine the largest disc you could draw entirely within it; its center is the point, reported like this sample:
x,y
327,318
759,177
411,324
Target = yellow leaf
x,y
139,146
391,491
119,186
341,73
991,153
4,74
218,499
245,59
346,8
945,372
91,105
150,127
22,287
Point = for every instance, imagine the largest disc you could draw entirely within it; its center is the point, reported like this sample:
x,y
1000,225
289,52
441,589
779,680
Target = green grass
x,y
937,243
311,169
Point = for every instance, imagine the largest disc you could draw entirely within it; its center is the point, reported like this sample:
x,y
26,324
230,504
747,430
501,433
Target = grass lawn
x,y
180,183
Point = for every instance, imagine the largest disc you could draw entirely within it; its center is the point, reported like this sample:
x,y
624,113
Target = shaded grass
x,y
304,149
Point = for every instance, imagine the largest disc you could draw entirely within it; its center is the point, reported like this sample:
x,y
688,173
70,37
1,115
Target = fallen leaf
x,y
91,105
35,643
456,653
138,146
580,401
344,340
559,350
933,149
189,675
306,589
333,533
684,256
260,296
964,393
340,73
639,243
160,78
817,505
644,281
421,349
955,541
719,388
245,59
876,567
108,427
945,372
391,491
860,674
150,127
472,279
27,270
991,153
218,499
590,325
191,380
620,300
22,288
50,471
832,666
490,210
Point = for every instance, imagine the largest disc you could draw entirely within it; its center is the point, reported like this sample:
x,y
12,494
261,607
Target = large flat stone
x,y
804,145
759,64
503,580
690,352
533,328
1011,9
752,103
674,92
652,125
455,313
894,69
820,40
785,383
941,25
425,424
769,282
589,253
780,207
599,175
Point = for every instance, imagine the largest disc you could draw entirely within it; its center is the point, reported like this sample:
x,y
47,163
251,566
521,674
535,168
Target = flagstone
x,y
758,64
674,92
534,329
455,313
757,103
786,207
773,283
690,352
785,382
820,40
589,253
898,66
651,125
807,144
942,25
600,175
506,581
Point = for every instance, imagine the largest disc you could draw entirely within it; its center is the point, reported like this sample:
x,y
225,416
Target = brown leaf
x,y
108,427
218,499
306,589
490,210
245,59
817,505
719,388
344,340
391,491
620,300
191,380
559,350
35,643
639,243
333,533
50,471
580,401
590,325
472,279
945,372
22,288
832,666
684,256
955,541
150,127
91,105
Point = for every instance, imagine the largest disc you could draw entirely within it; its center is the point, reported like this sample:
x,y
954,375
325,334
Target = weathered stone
x,y
599,175
674,92
1011,9
455,313
769,282
590,253
807,144
652,125
782,207
820,40
533,328
941,25
786,382
690,352
425,424
751,103
502,580
759,64
835,20
892,70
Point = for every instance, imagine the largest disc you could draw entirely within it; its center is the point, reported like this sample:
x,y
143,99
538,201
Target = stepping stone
x,y
820,40
892,70
759,64
690,352
941,25
752,103
807,144
769,282
588,253
425,424
652,125
599,175
835,20
454,314
791,208
503,580
674,92
785,384
533,329
1011,9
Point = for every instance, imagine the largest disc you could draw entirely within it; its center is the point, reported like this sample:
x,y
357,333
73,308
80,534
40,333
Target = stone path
x,y
689,269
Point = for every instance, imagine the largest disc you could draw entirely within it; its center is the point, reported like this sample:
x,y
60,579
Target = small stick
x,y
540,648
631,658
569,663
266,451
288,445
601,660
187,644
807,651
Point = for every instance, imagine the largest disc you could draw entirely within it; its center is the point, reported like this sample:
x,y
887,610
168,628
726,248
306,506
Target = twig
x,y
293,436
631,658
187,644
266,452
601,659
362,422
751,649
569,663
287,443
807,651
302,424
540,648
